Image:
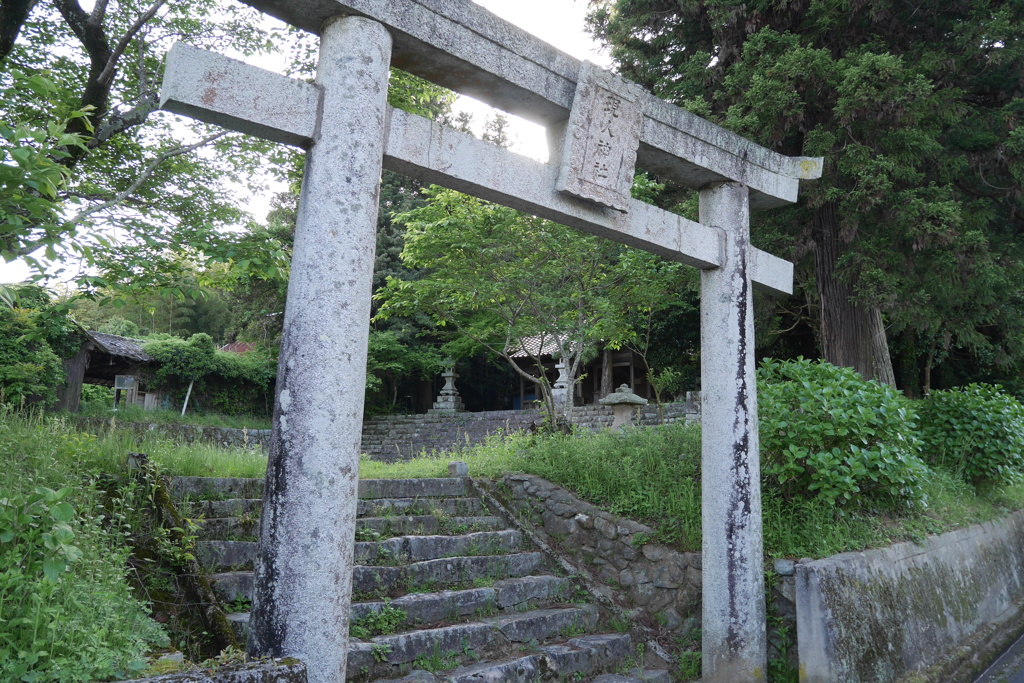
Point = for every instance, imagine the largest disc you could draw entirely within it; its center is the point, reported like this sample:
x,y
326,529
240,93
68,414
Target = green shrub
x,y
227,383
976,431
827,434
29,369
99,395
67,612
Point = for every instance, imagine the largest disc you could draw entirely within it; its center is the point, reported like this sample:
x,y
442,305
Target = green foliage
x,y
94,394
66,610
384,621
976,431
32,175
228,383
918,211
183,360
29,369
121,327
826,434
392,357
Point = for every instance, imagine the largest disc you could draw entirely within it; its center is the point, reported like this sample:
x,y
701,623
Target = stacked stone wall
x,y
222,436
652,578
399,437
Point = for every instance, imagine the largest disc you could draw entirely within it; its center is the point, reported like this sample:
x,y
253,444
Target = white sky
x,y
559,22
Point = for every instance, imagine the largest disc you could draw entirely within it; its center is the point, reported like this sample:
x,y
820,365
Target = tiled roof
x,y
238,347
540,345
125,347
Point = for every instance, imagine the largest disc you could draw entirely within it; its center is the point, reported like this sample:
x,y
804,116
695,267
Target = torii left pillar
x,y
304,574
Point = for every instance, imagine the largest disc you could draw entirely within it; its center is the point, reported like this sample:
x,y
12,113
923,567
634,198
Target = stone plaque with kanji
x,y
602,139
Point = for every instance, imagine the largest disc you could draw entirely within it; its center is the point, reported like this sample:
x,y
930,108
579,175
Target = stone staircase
x,y
442,587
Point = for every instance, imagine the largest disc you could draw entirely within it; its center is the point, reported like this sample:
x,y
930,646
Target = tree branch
x,y
144,176
106,77
13,15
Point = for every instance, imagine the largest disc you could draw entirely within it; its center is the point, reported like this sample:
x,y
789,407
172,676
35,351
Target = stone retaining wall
x,y
616,550
664,583
222,436
880,614
399,437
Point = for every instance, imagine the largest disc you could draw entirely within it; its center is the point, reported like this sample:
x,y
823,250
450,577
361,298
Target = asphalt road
x,y
1007,669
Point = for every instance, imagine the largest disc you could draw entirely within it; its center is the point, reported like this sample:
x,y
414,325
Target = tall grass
x,y
133,413
66,610
653,475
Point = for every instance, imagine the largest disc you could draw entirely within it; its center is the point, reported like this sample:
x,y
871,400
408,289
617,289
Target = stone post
x,y
734,641
304,571
560,389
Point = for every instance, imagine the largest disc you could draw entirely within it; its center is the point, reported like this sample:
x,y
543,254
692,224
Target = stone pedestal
x,y
560,389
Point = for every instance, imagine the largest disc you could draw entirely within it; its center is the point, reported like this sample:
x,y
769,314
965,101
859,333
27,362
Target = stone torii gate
x,y
600,127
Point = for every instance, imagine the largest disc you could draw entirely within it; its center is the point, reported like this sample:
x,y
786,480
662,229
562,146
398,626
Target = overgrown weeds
x,y
66,611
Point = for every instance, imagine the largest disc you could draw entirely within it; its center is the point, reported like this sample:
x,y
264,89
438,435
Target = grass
x,y
137,414
651,475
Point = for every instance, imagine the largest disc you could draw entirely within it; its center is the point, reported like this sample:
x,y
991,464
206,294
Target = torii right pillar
x,y
733,628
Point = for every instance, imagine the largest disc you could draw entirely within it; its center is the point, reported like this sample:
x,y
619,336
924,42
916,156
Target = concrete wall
x,y
880,614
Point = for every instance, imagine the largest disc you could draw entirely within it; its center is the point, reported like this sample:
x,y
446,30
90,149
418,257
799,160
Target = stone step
x,y
216,509
576,658
424,608
458,487
224,488
251,507
636,676
367,528
226,555
405,549
431,575
426,576
459,644
425,524
504,595
215,488
456,507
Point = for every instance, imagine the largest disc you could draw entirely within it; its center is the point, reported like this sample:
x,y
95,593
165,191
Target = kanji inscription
x,y
602,139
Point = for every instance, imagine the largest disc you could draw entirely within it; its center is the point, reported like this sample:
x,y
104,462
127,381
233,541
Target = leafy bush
x,y
29,369
229,383
828,434
976,431
96,394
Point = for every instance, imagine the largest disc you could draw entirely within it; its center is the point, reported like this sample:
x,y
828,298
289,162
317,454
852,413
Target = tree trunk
x,y
606,373
852,335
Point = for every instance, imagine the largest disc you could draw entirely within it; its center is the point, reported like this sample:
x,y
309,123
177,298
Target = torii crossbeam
x,y
599,126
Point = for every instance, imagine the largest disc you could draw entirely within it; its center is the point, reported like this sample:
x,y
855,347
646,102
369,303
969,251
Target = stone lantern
x,y
449,401
622,401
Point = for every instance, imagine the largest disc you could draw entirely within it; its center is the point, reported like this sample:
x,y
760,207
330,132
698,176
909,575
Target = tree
x,y
507,282
130,192
916,109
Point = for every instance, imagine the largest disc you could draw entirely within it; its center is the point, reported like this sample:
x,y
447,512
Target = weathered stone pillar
x,y
304,573
734,642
